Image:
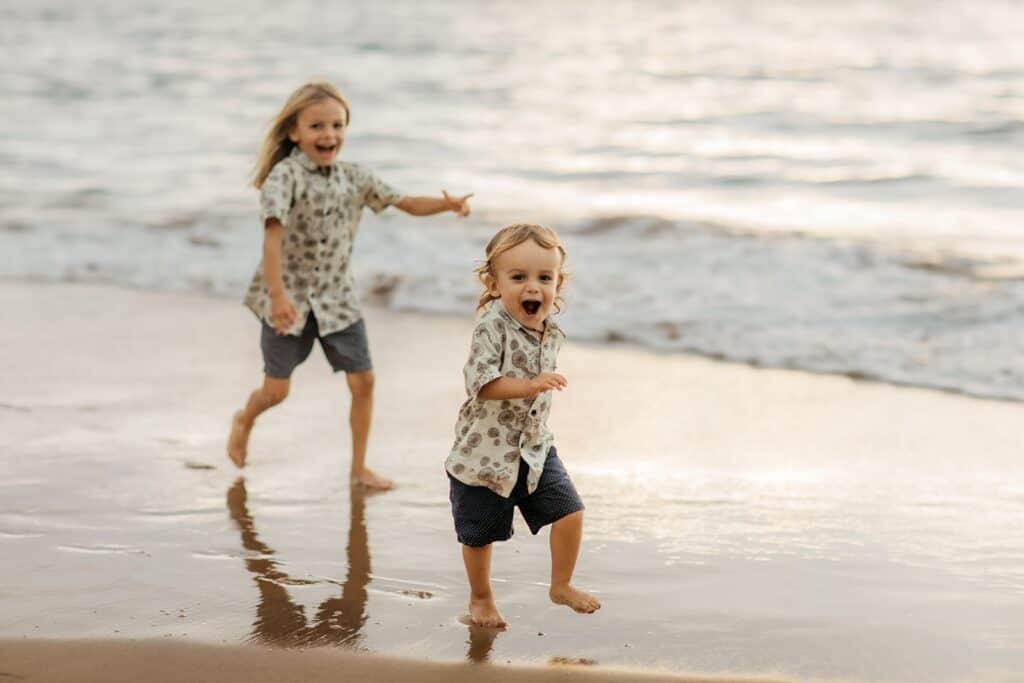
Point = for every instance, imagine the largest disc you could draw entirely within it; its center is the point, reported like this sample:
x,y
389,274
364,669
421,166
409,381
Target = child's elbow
x,y
407,205
491,390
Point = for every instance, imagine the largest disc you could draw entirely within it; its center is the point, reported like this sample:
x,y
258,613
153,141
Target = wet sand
x,y
740,521
175,661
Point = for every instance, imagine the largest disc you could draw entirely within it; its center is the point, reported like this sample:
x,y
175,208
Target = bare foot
x,y
584,603
238,441
483,612
370,480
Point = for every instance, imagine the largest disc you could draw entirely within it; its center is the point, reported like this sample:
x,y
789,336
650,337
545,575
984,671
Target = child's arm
x,y
510,387
483,370
282,310
428,206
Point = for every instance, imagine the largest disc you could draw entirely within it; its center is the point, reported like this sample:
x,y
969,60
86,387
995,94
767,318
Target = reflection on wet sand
x,y
279,621
481,640
338,620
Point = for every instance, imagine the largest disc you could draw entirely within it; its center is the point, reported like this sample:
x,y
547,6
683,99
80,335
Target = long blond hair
x,y
277,145
512,236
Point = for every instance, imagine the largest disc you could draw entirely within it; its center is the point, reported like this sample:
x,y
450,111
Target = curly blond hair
x,y
512,236
276,144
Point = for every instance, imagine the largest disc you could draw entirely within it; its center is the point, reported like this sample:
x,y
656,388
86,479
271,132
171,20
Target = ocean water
x,y
819,186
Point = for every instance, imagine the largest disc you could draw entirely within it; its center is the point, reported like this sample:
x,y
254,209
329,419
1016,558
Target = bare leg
x,y
360,415
566,535
273,391
482,610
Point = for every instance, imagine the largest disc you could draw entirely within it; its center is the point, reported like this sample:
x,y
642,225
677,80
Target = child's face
x,y
320,130
526,280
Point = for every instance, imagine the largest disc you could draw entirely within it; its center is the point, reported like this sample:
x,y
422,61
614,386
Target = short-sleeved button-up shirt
x,y
492,437
320,212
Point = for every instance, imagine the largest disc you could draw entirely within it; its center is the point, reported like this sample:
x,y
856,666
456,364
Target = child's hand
x,y
459,205
547,381
282,312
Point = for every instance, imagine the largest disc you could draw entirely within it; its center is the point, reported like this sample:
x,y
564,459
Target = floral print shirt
x,y
493,436
320,212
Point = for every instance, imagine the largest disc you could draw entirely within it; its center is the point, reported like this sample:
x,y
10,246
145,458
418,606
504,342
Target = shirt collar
x,y
305,162
497,308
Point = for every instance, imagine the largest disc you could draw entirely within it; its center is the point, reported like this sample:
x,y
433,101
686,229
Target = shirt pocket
x,y
525,362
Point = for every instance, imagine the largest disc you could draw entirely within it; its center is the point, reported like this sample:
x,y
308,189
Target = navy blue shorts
x,y
347,350
482,516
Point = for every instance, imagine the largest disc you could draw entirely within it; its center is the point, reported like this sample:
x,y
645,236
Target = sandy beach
x,y
167,661
741,522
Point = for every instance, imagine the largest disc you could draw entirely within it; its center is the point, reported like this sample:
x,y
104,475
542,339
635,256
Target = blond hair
x,y
512,236
277,145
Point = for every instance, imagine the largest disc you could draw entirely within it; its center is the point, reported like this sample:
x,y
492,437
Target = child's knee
x,y
274,393
571,519
361,384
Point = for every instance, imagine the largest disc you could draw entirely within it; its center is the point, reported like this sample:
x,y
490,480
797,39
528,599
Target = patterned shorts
x,y
482,516
347,350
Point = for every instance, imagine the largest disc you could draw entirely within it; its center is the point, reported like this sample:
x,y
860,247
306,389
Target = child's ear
x,y
293,134
492,285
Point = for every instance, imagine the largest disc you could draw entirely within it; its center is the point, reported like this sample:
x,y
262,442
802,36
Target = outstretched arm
x,y
428,206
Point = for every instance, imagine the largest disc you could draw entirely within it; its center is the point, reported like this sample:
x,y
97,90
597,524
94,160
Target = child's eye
x,y
517,277
315,126
546,278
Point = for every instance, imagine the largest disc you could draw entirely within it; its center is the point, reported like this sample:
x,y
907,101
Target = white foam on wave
x,y
799,120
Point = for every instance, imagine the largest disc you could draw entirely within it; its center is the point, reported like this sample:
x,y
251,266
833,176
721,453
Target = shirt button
x,y
533,412
323,241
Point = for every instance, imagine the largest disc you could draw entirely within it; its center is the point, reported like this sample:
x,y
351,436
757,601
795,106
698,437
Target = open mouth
x,y
531,307
326,149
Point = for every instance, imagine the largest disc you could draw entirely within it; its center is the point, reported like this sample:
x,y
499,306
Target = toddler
x,y
504,456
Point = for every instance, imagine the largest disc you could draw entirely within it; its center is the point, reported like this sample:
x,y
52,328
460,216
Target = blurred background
x,y
828,186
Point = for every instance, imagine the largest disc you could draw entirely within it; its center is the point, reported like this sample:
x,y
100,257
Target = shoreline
x,y
374,304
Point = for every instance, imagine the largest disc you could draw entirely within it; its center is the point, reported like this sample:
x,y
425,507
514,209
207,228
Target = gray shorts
x,y
347,350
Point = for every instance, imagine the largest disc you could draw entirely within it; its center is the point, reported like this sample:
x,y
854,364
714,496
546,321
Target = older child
x,y
504,456
303,290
